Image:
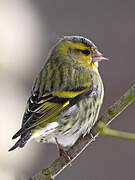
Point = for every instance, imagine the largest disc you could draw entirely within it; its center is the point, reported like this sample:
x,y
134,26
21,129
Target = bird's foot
x,y
62,152
91,136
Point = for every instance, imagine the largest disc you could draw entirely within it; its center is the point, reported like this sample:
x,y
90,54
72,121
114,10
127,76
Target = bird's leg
x,y
62,152
91,136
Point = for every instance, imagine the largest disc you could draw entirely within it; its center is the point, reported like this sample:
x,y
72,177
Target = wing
x,y
48,107
55,89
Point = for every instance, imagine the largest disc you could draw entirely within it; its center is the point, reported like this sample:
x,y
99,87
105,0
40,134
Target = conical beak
x,y
97,57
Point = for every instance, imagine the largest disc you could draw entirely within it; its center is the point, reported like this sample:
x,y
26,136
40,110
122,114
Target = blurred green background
x,y
28,29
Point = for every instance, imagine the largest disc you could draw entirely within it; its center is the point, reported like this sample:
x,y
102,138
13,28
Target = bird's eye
x,y
86,52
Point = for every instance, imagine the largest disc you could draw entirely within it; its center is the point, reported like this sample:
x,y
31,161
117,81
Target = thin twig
x,y
112,112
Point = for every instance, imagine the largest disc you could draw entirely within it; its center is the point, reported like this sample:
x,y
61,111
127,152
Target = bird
x,y
66,96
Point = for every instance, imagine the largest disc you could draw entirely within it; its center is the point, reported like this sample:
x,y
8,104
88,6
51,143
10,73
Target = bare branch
x,y
112,112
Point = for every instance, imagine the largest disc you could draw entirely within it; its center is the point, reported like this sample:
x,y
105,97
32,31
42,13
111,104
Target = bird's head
x,y
80,51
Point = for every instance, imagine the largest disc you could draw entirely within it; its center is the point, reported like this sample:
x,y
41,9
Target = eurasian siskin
x,y
66,96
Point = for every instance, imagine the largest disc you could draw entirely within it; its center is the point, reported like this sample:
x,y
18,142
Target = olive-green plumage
x,y
66,96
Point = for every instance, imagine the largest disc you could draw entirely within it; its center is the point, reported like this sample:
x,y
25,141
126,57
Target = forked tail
x,y
22,141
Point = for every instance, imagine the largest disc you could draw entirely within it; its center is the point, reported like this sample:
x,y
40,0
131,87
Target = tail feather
x,y
17,144
20,132
22,141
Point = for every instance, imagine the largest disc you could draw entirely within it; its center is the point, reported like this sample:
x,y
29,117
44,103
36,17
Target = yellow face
x,y
79,53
